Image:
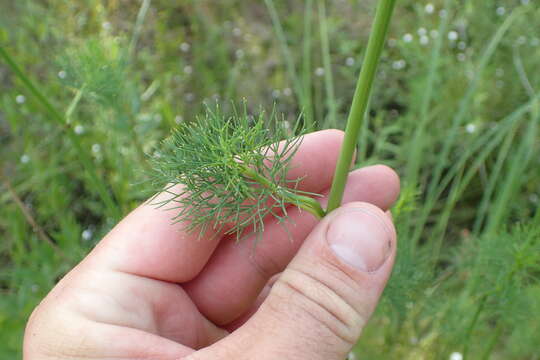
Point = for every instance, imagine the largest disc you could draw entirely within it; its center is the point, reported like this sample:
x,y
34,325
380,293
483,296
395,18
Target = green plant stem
x,y
361,98
303,202
98,184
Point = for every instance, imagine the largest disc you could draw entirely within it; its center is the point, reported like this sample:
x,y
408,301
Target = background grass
x,y
455,112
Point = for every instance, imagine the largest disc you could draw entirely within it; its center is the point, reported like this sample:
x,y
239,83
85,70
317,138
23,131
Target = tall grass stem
x,y
361,98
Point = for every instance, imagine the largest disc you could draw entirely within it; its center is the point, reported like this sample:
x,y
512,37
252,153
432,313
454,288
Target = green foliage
x,y
228,172
456,118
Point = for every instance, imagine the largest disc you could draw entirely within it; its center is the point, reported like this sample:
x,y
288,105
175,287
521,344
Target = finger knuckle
x,y
321,300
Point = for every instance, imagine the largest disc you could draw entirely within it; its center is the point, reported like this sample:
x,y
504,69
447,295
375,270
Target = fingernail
x,y
359,238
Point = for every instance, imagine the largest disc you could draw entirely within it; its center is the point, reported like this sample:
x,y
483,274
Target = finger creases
x,y
229,285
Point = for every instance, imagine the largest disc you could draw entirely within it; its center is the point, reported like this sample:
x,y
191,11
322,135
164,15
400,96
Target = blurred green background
x,y
455,111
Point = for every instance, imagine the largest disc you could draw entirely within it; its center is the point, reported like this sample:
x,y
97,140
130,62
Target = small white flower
x,y
456,356
319,71
424,40
443,13
285,125
535,42
501,11
470,128
237,31
106,26
524,2
461,57
408,38
239,53
185,47
351,356
349,61
87,234
399,64
429,8
62,74
189,97
462,45
276,93
534,198
178,119
20,99
79,129
522,40
422,31
96,148
25,159
434,33
453,35
188,69
392,42
287,92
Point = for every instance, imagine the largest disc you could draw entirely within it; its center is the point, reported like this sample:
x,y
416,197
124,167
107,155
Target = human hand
x,y
150,290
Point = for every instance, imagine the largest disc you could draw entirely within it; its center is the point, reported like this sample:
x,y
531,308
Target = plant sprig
x,y
230,172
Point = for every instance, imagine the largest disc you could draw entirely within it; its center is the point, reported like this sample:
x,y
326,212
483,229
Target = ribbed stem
x,y
361,97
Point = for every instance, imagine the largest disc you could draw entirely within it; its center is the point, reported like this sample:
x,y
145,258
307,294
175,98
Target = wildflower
x,y
62,74
237,32
239,53
276,93
349,61
79,129
106,26
470,128
287,92
399,64
443,13
319,71
461,57
522,40
424,40
185,47
96,148
456,356
20,99
178,119
190,97
501,11
429,8
535,42
533,198
462,45
408,38
524,2
188,69
87,234
25,159
422,31
434,33
351,356
392,42
453,35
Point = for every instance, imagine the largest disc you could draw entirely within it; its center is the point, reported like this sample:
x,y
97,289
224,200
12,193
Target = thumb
x,y
321,302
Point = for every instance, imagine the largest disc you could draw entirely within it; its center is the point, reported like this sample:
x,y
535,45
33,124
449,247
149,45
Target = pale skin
x,y
150,290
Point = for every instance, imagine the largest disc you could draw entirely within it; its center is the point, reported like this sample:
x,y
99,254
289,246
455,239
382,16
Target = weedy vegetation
x,y
89,90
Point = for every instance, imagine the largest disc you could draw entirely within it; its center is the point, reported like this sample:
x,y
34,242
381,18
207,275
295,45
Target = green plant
x,y
232,172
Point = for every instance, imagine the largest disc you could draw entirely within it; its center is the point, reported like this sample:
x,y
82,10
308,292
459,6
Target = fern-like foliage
x,y
229,172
